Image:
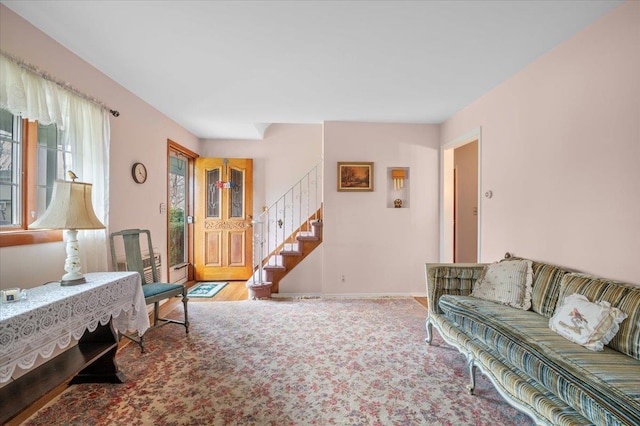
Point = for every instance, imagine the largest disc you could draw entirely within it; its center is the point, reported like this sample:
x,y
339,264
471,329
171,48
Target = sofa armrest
x,y
450,278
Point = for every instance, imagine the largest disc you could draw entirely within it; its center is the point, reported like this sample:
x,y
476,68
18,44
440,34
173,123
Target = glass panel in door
x,y
237,194
177,209
213,193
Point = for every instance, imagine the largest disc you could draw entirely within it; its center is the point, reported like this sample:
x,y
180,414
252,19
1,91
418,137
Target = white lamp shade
x,y
70,208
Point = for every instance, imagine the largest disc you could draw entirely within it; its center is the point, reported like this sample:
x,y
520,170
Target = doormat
x,y
206,289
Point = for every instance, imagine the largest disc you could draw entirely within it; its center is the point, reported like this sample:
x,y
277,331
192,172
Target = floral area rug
x,y
291,362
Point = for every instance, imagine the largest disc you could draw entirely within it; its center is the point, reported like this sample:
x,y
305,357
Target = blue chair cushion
x,y
155,289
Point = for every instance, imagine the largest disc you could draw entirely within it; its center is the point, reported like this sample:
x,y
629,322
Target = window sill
x,y
23,237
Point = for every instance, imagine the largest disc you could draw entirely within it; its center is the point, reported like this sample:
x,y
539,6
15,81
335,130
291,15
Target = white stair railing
x,y
277,224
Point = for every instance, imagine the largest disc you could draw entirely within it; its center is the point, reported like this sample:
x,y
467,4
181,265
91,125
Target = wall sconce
x,y
71,209
398,176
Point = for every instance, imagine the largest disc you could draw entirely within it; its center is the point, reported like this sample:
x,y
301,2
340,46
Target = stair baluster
x,y
286,233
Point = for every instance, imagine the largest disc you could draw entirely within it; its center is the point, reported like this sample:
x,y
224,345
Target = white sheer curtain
x,y
84,128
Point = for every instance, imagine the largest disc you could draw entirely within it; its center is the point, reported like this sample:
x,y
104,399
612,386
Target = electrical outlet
x,y
163,207
343,279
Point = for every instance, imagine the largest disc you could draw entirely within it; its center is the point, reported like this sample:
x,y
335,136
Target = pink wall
x,y
380,250
139,134
286,154
561,153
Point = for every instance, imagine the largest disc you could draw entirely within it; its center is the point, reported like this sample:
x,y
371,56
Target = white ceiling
x,y
226,69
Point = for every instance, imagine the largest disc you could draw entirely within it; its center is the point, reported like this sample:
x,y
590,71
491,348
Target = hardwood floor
x,y
234,291
237,290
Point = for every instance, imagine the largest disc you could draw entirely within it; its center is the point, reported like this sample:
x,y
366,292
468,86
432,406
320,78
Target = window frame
x,y
21,235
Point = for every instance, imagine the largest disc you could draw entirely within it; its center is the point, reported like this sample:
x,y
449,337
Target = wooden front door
x,y
224,205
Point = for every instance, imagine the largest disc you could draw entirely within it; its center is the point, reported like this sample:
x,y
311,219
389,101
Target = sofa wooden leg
x,y
471,366
428,326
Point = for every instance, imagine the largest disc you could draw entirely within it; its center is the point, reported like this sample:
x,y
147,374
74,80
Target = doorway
x,y
460,208
180,212
223,219
465,203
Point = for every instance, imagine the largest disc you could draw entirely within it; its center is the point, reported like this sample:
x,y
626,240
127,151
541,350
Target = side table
x,y
51,316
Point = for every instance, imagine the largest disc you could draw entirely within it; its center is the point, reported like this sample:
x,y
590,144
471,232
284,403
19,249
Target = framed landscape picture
x,y
355,176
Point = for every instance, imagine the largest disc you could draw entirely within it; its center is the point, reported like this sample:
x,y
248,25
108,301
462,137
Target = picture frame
x,y
355,176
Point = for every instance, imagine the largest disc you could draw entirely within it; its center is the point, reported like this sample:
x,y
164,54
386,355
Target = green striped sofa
x,y
553,380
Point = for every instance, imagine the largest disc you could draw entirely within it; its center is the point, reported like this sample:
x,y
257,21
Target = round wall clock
x,y
139,173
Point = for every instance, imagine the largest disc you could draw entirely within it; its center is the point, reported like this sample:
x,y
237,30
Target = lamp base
x,y
72,263
66,283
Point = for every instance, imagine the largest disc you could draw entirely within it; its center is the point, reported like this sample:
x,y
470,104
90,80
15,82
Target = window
x,y
53,161
32,157
31,161
10,150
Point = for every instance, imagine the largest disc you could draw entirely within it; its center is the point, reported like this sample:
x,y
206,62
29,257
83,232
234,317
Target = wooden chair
x,y
154,291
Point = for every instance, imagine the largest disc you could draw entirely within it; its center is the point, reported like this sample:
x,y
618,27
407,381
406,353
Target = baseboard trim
x,y
345,295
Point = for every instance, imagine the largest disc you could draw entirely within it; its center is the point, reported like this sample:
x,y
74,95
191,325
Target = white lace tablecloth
x,y
52,315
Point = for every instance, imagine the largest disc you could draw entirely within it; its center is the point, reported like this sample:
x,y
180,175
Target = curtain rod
x,y
66,86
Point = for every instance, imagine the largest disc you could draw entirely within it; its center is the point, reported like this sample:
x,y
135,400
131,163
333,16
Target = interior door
x,y
465,201
224,205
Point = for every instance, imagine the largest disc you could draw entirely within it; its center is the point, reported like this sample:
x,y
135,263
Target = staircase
x,y
285,233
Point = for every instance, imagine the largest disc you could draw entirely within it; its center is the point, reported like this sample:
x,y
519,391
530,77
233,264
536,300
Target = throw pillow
x,y
507,282
589,324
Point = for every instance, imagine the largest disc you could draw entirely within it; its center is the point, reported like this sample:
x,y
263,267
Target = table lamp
x,y
71,209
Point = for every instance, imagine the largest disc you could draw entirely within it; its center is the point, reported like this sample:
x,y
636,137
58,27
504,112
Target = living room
x,y
559,146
